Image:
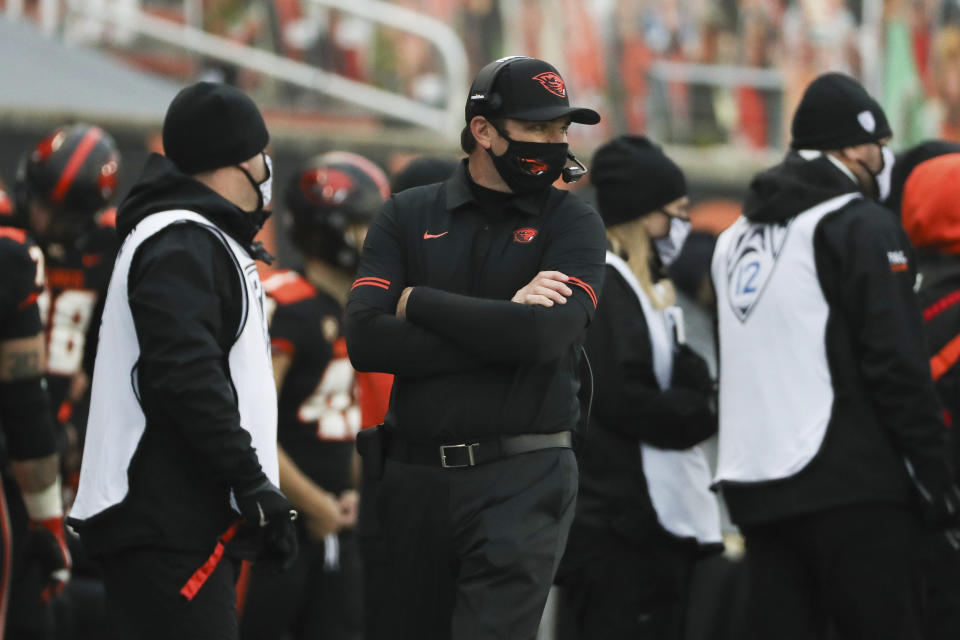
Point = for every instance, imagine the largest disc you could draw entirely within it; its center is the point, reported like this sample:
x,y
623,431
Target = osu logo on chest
x,y
525,235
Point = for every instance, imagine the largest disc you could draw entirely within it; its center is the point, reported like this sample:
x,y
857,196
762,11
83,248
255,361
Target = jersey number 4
x,y
333,404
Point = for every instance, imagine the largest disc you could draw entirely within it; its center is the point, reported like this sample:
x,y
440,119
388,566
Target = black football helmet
x,y
72,172
331,196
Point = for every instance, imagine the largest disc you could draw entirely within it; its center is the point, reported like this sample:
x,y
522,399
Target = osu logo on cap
x,y
525,235
552,82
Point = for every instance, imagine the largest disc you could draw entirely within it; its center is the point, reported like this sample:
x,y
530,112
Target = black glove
x,y
265,509
47,546
690,371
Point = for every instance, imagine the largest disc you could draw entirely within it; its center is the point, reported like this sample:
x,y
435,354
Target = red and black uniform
x,y
77,273
27,433
317,422
318,414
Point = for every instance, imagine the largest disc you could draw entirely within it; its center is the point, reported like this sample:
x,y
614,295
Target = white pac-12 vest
x,y
678,481
116,421
776,390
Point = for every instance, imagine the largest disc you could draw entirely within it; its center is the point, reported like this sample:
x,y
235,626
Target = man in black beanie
x,y
179,473
832,451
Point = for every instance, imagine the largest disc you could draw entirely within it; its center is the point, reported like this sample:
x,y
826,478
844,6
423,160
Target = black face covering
x,y
529,167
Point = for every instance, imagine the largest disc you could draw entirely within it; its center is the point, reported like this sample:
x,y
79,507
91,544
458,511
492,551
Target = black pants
x,y
470,553
375,562
626,591
309,601
853,568
144,601
941,574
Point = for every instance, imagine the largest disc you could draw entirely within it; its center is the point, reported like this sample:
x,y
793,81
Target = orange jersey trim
x,y
65,278
14,234
108,218
282,345
29,300
288,287
941,362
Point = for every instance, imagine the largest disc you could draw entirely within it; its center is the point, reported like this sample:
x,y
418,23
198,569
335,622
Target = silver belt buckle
x,y
471,460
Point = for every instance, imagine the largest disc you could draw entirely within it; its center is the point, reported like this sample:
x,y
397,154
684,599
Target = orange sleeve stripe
x,y
944,359
941,305
586,287
371,281
14,234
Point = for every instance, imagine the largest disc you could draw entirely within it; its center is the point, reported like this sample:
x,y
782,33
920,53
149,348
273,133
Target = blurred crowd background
x,y
713,80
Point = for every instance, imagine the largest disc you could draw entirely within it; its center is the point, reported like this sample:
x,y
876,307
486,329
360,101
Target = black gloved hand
x,y
47,545
690,371
265,509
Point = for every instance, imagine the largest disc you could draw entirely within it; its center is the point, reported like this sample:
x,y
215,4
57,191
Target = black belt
x,y
470,454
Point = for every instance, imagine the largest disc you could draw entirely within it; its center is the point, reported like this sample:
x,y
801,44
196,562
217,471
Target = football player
x,y
331,202
35,561
63,187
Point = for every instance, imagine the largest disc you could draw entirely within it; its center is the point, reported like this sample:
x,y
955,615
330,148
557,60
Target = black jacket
x,y
940,301
629,408
186,299
884,412
470,363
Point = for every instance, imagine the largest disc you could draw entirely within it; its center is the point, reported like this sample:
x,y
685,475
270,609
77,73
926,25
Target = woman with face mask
x,y
644,512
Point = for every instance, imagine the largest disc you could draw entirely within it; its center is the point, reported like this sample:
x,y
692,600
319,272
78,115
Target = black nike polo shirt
x,y
469,363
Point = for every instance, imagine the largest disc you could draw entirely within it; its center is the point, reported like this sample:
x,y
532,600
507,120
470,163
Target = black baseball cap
x,y
525,89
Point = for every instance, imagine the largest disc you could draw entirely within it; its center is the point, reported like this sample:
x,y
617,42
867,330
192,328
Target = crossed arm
x,y
422,331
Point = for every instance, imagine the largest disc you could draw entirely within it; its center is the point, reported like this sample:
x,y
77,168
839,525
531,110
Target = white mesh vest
x,y
678,481
116,421
776,391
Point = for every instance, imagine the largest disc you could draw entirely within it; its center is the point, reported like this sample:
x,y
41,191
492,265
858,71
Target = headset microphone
x,y
572,173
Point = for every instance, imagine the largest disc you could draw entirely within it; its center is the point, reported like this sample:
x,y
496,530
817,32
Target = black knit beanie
x,y
633,177
211,125
837,112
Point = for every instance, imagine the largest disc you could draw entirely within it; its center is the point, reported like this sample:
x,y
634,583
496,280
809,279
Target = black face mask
x,y
530,167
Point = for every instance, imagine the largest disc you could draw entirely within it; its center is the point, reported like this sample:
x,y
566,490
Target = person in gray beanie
x,y
832,449
179,474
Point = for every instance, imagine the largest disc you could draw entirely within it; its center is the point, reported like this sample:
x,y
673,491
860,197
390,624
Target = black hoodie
x,y
884,408
793,186
186,300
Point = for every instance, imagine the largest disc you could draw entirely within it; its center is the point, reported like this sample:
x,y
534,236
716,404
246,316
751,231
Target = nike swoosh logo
x,y
429,236
263,520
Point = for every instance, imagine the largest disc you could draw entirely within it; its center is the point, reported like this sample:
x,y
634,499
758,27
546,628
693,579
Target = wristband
x,y
46,503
